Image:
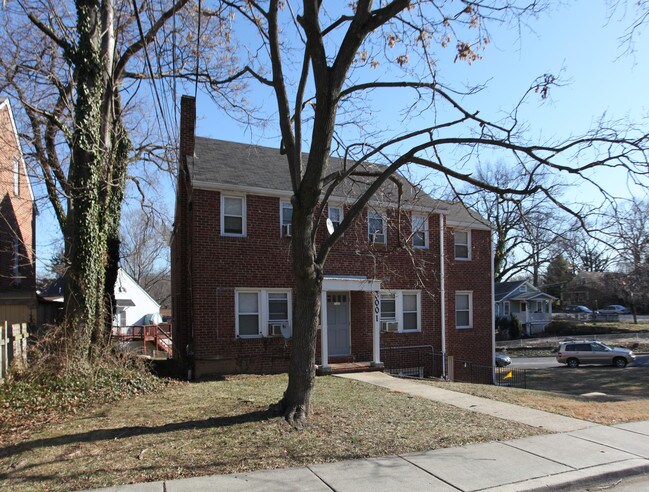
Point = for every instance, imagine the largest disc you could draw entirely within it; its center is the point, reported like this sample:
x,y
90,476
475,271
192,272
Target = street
x,y
549,362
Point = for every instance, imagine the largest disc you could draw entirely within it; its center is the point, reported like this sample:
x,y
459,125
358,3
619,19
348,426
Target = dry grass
x,y
624,393
224,427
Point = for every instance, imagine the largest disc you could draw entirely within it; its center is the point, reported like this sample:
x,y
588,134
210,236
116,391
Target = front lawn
x,y
604,395
224,426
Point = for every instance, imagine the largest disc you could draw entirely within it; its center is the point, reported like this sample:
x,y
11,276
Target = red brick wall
x,y
473,344
16,214
262,260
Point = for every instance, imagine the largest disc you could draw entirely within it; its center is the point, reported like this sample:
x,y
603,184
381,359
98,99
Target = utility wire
x,y
148,63
198,48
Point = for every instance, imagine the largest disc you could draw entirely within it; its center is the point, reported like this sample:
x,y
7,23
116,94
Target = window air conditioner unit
x,y
287,230
275,329
390,326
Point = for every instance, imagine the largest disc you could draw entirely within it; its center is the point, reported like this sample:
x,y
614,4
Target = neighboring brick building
x,y
233,287
17,227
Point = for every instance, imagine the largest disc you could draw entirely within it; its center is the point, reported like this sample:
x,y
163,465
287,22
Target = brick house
x,y
17,227
232,281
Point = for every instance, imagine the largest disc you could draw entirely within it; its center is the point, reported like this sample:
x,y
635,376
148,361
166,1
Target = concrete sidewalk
x,y
579,454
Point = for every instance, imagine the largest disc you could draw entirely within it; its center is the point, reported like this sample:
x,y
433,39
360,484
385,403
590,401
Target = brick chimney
x,y
187,126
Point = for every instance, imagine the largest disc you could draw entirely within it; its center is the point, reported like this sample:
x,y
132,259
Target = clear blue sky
x,y
580,41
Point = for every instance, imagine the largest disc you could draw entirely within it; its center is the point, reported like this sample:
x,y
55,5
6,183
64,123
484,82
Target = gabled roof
x,y
502,289
55,291
4,102
508,290
219,164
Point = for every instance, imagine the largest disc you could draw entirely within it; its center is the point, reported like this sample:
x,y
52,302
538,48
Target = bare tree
x,y
145,251
76,67
526,228
316,59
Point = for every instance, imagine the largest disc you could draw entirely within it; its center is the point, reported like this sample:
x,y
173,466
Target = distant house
x,y
589,289
382,305
521,299
17,227
134,305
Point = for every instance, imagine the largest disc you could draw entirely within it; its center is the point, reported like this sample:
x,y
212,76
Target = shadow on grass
x,y
126,432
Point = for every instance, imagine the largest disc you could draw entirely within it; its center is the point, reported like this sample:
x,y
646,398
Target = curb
x,y
579,478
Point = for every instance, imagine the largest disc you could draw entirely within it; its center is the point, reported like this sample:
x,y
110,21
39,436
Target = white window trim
x,y
419,313
468,245
342,213
385,226
262,297
470,294
243,211
398,308
507,309
236,311
282,203
425,231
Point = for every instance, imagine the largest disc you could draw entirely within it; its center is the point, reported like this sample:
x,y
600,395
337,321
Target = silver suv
x,y
577,352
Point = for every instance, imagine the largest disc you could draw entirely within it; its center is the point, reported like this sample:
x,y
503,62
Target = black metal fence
x,y
422,361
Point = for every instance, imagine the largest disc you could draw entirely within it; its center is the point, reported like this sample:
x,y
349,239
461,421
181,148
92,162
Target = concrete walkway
x,y
578,455
508,411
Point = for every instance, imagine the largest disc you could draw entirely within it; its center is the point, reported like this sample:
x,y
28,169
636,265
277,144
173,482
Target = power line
x,y
148,63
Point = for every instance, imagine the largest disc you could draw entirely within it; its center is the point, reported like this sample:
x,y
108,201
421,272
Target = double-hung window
x,y
420,231
336,216
261,312
464,309
248,314
376,227
506,308
402,307
462,245
286,219
233,215
278,307
411,309
388,307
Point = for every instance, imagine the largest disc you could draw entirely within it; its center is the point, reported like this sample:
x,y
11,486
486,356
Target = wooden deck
x,y
157,336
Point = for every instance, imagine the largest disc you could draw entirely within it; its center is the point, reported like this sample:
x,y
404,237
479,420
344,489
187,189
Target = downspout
x,y
493,303
442,292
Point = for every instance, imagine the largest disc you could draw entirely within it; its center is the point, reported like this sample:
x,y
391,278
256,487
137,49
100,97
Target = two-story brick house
x,y
17,227
401,283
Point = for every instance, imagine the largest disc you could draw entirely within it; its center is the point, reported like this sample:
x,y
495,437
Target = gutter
x,y
442,292
493,304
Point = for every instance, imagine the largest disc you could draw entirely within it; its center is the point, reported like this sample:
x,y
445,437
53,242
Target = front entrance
x,y
338,323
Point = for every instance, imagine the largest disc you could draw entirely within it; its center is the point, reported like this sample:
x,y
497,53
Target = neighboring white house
x,y
531,306
134,305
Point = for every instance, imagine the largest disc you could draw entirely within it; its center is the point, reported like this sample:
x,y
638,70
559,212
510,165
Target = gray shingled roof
x,y
219,162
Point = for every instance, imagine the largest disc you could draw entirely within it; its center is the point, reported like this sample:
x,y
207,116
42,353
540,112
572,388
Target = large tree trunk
x,y
306,318
85,240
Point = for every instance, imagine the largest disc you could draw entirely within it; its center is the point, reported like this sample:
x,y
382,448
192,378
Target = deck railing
x,y
160,335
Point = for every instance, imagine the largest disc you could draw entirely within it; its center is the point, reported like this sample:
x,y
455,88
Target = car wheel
x,y
619,362
572,362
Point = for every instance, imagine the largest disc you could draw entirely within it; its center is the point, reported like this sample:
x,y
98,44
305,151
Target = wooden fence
x,y
13,347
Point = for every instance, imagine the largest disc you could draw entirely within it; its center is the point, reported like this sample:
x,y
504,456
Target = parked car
x,y
578,352
614,309
503,360
577,310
